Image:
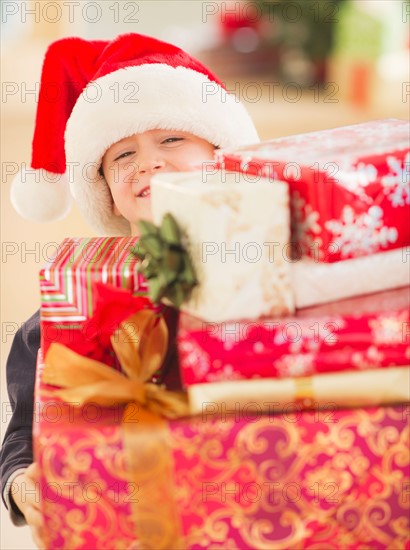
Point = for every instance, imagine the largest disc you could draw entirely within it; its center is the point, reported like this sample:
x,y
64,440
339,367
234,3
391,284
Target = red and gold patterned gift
x,y
117,478
116,474
350,186
369,332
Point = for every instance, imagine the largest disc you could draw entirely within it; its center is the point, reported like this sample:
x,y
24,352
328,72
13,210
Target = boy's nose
x,y
150,166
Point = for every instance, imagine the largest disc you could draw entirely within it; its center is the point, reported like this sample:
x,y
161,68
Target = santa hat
x,y
95,93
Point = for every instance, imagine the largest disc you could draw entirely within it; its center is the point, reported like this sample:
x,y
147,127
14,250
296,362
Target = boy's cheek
x,y
116,210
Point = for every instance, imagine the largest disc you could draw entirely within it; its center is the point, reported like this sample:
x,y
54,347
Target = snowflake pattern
x,y
369,359
308,334
357,178
397,184
193,357
300,364
227,372
383,128
387,329
327,144
336,145
245,161
230,334
354,235
304,224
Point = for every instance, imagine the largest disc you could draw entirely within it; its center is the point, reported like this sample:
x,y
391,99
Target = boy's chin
x,y
142,215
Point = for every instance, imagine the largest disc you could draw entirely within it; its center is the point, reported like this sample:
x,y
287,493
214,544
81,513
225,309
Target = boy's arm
x,y
17,449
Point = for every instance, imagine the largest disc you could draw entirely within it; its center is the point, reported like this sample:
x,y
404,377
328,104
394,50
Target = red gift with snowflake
x,y
349,186
358,334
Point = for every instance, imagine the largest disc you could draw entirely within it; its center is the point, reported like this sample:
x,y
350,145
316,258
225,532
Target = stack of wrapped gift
x,y
121,470
356,353
349,197
350,236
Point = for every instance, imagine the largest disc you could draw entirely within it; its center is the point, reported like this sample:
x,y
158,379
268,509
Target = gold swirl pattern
x,y
317,480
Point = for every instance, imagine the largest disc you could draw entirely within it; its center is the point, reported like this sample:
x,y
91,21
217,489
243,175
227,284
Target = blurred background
x,y
299,66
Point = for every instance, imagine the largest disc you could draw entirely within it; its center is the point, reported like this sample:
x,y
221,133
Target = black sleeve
x,y
17,448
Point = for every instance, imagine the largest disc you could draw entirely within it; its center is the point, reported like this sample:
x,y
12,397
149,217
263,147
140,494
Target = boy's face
x,y
129,164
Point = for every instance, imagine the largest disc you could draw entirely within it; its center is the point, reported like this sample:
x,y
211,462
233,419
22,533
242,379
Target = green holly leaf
x,y
164,262
173,260
155,290
188,274
149,267
152,245
169,230
176,296
148,228
139,251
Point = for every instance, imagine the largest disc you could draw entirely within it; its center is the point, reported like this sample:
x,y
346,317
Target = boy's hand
x,y
26,495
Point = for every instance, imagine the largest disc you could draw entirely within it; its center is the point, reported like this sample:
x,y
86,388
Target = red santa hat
x,y
95,93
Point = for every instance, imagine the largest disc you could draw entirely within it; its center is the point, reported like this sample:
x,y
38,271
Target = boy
x,y
124,110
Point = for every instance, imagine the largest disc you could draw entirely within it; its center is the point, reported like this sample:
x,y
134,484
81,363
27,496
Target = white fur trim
x,y
40,196
133,100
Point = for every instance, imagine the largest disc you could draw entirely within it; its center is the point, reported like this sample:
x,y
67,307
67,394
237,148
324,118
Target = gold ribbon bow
x,y
86,380
146,439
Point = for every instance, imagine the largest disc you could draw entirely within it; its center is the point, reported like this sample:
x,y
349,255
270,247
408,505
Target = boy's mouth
x,y
145,192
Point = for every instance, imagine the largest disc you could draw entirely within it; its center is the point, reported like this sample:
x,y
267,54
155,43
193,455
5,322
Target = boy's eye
x,y
124,155
173,139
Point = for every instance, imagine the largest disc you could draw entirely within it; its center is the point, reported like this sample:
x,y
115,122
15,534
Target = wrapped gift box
x,y
320,282
121,477
235,233
70,295
328,391
357,334
349,186
66,284
335,479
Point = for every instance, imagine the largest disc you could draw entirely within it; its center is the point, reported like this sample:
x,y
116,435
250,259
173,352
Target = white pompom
x,y
40,196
